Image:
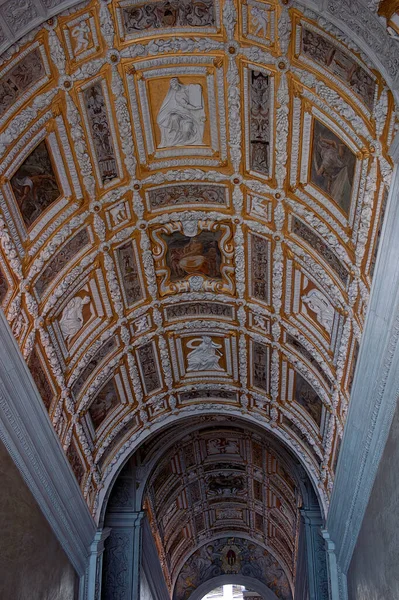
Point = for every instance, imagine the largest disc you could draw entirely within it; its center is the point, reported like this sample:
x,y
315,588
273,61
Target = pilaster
x,y
316,555
94,568
122,556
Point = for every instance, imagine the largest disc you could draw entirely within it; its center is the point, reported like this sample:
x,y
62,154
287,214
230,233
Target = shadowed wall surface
x,y
32,563
373,572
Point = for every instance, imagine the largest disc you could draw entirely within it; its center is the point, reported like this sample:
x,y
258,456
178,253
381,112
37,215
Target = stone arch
x,y
128,452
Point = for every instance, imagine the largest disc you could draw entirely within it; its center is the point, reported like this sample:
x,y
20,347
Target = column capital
x,y
312,516
97,545
330,546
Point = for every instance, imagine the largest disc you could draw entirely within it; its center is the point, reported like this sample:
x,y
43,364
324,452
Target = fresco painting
x,y
105,401
193,255
231,556
306,396
323,51
35,184
129,273
20,78
186,13
4,286
333,166
101,132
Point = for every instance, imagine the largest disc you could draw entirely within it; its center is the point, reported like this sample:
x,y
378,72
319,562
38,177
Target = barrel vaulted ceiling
x,y
191,200
225,481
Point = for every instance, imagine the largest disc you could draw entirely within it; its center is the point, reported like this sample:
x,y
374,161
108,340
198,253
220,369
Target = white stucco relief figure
x,y
319,304
259,19
72,317
119,213
80,34
181,117
204,355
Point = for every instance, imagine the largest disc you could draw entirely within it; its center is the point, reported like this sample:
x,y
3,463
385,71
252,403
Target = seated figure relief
x,y
181,118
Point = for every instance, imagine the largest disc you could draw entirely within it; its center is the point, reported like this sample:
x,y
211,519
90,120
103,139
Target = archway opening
x,y
212,499
232,592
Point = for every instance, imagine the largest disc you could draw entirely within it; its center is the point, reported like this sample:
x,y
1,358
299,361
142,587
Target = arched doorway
x,y
214,498
222,588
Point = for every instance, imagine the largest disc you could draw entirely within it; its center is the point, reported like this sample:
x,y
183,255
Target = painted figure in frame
x,y
333,166
35,185
181,118
105,401
197,255
306,396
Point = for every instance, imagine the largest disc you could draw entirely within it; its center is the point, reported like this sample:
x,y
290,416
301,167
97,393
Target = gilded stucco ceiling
x,y
191,201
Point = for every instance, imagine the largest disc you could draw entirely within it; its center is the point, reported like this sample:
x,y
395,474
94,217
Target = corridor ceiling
x,y
225,481
191,200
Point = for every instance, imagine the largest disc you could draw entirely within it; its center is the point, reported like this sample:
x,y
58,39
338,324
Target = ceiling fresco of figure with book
x,y
191,202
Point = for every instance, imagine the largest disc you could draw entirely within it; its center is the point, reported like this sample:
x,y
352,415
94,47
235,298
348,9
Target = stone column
x,y
316,555
122,556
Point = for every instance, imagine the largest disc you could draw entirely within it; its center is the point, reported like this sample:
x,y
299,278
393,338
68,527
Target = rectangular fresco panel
x,y
332,58
35,185
129,273
259,125
101,132
193,255
105,402
336,455
306,396
194,395
60,260
101,353
260,366
20,78
199,309
40,378
353,365
316,242
75,462
260,268
176,195
333,166
149,367
379,230
306,354
139,18
3,286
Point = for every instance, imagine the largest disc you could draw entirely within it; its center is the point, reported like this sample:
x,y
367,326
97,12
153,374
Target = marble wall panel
x,y
32,562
